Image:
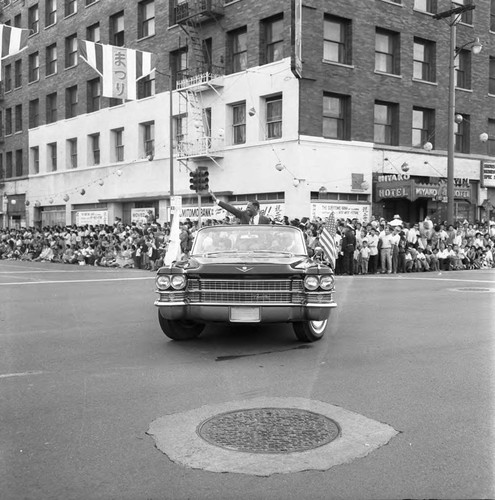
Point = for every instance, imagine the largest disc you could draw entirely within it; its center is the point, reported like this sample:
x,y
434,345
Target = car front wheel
x,y
309,331
180,329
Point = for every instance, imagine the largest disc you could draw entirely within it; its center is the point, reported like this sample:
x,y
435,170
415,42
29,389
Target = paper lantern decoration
x,y
66,197
83,192
101,182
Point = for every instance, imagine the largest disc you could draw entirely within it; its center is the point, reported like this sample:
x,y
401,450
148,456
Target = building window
x,y
146,18
72,152
461,131
273,39
387,52
463,70
426,6
491,137
93,33
19,163
118,143
35,159
117,29
178,59
18,74
466,17
274,117
50,12
337,40
179,122
386,123
237,41
18,21
8,121
71,102
491,75
8,77
51,108
52,156
94,143
71,51
239,123
9,165
148,135
34,113
146,86
34,67
423,127
424,60
90,2
51,59
70,7
34,19
336,116
492,16
18,118
94,95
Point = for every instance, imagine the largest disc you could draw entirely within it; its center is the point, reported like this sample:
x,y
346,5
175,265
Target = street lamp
x,y
454,15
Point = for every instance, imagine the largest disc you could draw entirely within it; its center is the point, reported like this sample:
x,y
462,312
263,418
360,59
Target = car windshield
x,y
252,239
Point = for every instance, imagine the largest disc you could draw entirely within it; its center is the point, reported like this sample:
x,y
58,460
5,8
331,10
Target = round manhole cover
x,y
269,430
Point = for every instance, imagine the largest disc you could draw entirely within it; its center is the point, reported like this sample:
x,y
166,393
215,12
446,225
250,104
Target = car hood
x,y
249,264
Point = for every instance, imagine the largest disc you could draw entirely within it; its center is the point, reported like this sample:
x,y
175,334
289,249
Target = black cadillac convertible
x,y
246,274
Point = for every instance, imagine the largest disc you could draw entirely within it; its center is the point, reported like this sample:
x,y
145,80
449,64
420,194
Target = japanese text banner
x,y
120,68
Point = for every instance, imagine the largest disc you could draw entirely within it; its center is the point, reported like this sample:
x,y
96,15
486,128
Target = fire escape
x,y
198,143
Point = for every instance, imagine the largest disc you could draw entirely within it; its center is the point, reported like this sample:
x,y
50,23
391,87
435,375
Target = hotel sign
x,y
487,174
411,190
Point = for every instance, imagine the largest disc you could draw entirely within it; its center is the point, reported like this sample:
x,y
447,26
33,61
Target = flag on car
x,y
119,68
327,239
12,40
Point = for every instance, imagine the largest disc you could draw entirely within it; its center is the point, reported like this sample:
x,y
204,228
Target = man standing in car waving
x,y
249,216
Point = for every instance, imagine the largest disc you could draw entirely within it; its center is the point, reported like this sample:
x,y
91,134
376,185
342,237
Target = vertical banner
x,y
173,250
296,38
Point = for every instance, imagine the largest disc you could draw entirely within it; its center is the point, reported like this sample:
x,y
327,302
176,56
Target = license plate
x,y
245,314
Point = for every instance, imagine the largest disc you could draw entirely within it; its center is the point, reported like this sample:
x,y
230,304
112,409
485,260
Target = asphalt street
x,y
85,370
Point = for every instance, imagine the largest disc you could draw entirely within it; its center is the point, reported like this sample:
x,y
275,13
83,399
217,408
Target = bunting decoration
x,y
12,41
119,68
327,240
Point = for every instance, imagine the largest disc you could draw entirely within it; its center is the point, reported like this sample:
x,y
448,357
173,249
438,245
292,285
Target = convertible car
x,y
246,274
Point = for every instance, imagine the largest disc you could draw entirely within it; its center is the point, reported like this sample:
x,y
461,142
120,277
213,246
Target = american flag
x,y
327,239
120,68
12,40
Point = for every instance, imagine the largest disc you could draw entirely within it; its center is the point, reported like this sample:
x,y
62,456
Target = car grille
x,y
254,291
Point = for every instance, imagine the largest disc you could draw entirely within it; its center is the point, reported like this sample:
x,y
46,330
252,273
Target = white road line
x,y
411,278
74,281
23,374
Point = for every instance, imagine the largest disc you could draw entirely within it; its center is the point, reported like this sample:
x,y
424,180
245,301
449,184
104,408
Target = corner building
x,y
309,106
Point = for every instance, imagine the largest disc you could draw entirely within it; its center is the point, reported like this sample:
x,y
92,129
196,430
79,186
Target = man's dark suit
x,y
243,215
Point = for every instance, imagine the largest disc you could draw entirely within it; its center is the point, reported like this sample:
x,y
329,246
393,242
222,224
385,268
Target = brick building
x,y
308,106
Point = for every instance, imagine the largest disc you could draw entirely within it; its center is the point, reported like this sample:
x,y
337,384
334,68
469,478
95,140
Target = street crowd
x,y
377,246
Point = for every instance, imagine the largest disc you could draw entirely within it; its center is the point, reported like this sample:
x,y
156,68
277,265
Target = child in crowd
x,y
365,256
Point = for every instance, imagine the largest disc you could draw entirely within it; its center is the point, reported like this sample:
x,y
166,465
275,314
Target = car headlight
x,y
311,282
326,282
178,281
163,282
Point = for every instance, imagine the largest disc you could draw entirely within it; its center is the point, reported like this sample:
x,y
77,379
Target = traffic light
x,y
203,180
193,180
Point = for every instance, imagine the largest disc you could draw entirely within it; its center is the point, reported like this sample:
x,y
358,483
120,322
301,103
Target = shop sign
x,y
487,174
394,192
341,211
439,192
393,177
142,215
92,217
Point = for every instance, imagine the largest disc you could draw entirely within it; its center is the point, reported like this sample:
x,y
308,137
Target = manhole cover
x,y
475,289
269,430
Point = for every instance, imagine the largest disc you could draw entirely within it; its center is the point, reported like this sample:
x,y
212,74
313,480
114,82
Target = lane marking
x,y
410,278
22,374
51,282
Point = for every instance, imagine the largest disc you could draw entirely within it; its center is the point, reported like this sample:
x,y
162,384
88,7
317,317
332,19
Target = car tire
x,y
180,329
309,331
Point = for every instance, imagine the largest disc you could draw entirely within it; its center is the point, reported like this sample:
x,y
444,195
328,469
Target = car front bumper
x,y
251,313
